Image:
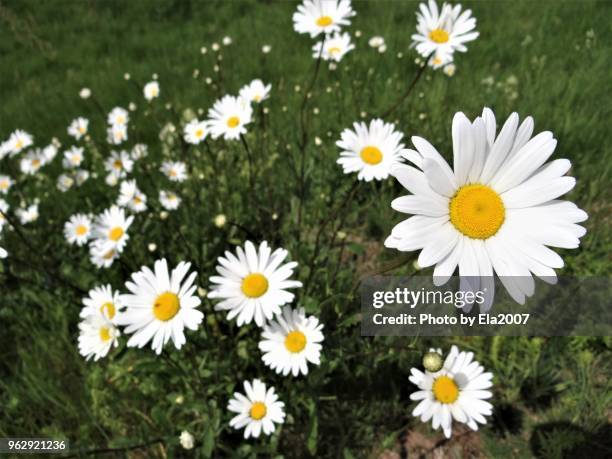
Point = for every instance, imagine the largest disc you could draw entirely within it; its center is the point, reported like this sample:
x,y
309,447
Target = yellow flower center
x,y
108,255
477,211
295,341
82,129
439,35
257,98
166,306
108,310
105,334
233,121
334,50
445,389
371,155
36,162
81,230
18,145
115,234
199,133
137,200
324,21
254,285
258,411
120,119
4,185
118,164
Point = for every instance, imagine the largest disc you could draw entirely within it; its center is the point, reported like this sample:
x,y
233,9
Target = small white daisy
x,y
102,301
110,230
73,157
151,90
160,306
322,16
96,338
376,41
78,229
18,141
3,253
81,176
334,47
119,164
255,91
78,127
371,151
31,162
195,131
442,32
28,214
5,184
131,197
228,117
116,134
456,392
259,410
64,182
139,151
290,341
118,117
102,254
85,93
176,171
169,200
253,284
49,152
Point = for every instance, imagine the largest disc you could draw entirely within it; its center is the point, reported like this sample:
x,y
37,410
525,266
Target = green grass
x,y
547,59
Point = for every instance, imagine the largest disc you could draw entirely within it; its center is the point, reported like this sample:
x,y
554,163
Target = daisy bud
x,y
215,46
152,247
220,220
266,49
432,361
203,50
126,76
187,440
179,399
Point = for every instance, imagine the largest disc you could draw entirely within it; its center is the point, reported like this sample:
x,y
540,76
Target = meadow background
x,y
547,59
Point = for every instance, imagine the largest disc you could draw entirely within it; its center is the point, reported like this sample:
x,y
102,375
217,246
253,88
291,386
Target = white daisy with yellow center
x,y
497,212
160,305
258,409
291,341
77,229
5,184
169,200
131,197
456,392
195,131
441,32
73,157
118,117
139,151
32,161
253,283
110,231
176,171
322,16
102,254
333,48
78,127
18,141
228,117
371,151
97,336
119,164
256,91
151,90
102,301
117,134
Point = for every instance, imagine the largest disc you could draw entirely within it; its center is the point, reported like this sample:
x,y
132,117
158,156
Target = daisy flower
x,y
139,151
228,117
49,153
18,141
73,157
118,117
116,134
371,151
64,182
291,341
102,301
77,229
110,230
169,200
255,91
456,392
96,337
78,127
333,48
28,214
3,253
151,90
176,171
253,284
376,42
5,184
131,197
440,60
160,305
101,254
81,176
496,212
258,409
119,164
195,131
443,31
322,16
31,162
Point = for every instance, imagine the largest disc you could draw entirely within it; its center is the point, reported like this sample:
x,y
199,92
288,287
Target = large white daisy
x,y
228,117
253,284
456,392
496,212
322,16
442,32
371,151
258,410
160,306
291,341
